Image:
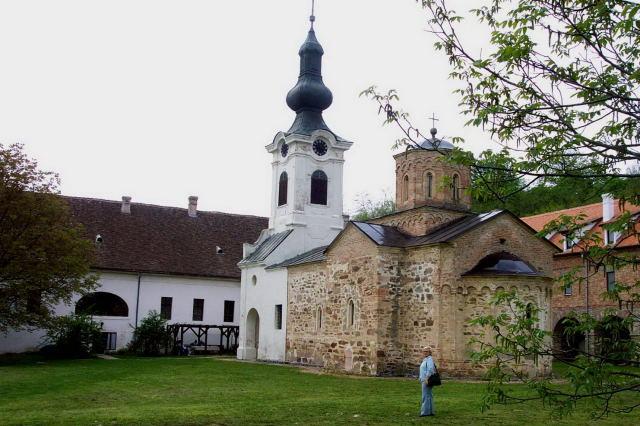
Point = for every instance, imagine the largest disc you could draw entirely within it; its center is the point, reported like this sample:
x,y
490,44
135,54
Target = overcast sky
x,y
162,99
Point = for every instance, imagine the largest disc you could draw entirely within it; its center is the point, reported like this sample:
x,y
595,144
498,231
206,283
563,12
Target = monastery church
x,y
365,297
314,288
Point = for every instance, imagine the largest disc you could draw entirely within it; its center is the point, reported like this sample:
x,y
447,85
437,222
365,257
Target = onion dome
x,y
435,144
310,96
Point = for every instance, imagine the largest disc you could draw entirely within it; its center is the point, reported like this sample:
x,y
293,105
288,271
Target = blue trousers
x,y
426,408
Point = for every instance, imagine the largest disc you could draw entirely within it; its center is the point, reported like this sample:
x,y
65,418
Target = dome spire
x,y
312,18
310,96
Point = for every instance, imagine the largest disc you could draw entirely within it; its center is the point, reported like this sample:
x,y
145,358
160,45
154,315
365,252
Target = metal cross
x,y
312,18
433,120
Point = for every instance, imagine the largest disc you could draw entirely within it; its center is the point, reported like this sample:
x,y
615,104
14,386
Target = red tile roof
x,y
165,240
592,213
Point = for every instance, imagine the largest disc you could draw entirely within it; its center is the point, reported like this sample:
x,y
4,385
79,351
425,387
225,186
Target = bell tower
x,y
308,158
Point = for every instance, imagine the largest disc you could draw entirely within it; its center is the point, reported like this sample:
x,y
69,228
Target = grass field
x,y
205,391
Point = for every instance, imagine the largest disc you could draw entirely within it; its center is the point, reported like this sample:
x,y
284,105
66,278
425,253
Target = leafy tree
x,y
44,258
558,87
75,336
150,337
369,209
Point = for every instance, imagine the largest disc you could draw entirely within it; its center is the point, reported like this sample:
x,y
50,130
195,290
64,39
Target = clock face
x,y
320,147
284,149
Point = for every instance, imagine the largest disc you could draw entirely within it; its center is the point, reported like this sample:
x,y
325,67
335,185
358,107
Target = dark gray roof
x,y
383,235
390,236
436,144
309,97
266,247
315,255
503,263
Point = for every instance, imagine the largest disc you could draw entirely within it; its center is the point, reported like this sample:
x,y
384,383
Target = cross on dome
x,y
433,119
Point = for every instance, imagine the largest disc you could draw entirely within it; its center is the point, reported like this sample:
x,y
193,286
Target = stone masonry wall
x,y
349,274
463,298
406,299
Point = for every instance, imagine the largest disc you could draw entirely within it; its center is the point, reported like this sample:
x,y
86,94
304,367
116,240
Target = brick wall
x,y
596,284
415,164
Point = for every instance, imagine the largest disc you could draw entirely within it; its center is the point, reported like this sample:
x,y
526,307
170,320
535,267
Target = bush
x,y
75,336
151,335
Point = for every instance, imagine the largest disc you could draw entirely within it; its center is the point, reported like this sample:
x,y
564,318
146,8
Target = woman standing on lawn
x,y
427,368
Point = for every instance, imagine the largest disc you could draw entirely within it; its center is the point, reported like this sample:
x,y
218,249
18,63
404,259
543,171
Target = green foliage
x,y
557,87
558,83
75,336
44,258
150,337
369,209
595,377
497,185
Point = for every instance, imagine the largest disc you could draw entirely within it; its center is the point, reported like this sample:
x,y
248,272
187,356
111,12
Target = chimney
x,y
126,205
607,207
193,206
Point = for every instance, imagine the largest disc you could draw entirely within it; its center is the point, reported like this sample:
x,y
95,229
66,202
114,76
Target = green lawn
x,y
174,391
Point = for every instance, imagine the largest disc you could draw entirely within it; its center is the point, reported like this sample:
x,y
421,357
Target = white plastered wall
x,y
182,289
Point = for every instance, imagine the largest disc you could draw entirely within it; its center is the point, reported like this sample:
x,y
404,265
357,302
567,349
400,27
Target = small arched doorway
x,y
568,342
253,334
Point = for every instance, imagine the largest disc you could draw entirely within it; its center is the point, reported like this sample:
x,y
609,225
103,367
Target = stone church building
x,y
365,297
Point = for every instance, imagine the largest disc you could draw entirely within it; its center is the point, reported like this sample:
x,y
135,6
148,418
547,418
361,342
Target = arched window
x,y
405,188
282,189
428,185
102,304
351,314
319,188
319,319
529,311
455,188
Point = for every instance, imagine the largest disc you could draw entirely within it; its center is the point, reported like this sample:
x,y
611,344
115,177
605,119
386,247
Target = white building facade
x,y
180,263
306,210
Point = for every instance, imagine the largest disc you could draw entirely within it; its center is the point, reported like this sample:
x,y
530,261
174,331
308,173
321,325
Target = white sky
x,y
162,99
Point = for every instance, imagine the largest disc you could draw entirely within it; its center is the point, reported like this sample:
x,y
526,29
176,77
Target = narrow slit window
x,y
351,314
278,323
319,319
429,185
456,188
405,188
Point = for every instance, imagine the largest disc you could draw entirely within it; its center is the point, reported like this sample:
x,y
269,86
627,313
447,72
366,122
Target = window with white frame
x,y
610,275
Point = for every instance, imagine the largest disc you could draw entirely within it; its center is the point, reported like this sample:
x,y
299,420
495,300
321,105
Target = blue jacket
x,y
427,368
